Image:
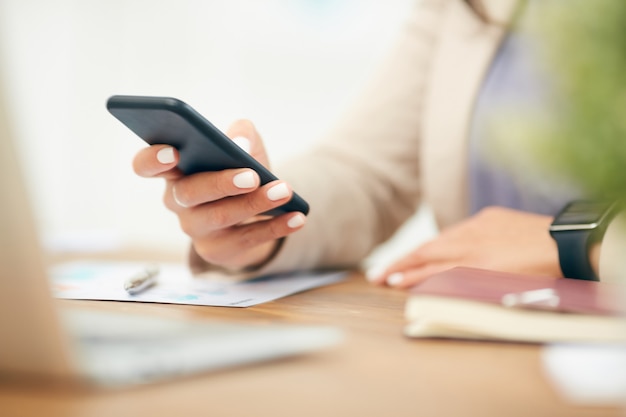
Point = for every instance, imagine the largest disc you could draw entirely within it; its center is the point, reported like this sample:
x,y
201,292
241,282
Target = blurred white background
x,y
292,66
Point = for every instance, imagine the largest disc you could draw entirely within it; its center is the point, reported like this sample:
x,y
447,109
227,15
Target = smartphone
x,y
201,146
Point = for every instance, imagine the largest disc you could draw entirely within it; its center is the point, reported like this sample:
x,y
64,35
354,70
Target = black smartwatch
x,y
576,228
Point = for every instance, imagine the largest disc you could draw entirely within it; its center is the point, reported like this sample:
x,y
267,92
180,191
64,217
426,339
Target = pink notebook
x,y
574,295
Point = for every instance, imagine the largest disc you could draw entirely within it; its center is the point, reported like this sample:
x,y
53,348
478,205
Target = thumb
x,y
246,136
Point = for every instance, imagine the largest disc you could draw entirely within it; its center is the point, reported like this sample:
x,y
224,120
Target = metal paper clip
x,y
544,298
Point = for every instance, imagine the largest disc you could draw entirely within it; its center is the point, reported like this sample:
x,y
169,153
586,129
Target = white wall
x,y
290,66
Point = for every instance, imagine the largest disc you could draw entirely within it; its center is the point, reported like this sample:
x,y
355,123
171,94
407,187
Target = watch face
x,y
581,215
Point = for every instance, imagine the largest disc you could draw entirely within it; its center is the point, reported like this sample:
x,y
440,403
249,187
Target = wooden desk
x,y
375,372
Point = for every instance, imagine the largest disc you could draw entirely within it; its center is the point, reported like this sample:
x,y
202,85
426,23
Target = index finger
x,y
157,161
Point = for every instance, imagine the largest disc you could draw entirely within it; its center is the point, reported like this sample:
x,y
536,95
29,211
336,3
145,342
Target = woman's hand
x,y
222,211
495,238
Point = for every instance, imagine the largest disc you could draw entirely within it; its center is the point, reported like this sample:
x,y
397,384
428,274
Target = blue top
x,y
507,176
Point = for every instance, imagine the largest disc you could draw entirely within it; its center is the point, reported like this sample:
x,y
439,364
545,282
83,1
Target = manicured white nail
x,y
165,155
395,279
296,221
177,200
243,143
244,179
278,192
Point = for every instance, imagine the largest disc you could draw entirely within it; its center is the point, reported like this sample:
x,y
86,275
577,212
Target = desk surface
x,y
376,371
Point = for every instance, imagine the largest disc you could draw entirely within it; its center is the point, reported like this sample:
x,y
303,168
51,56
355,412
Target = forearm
x,y
363,180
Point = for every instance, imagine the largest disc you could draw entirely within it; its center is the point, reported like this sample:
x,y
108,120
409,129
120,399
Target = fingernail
x,y
395,279
296,221
165,155
278,192
243,143
244,179
177,200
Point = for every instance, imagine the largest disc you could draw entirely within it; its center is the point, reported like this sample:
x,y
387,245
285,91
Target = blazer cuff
x,y
612,266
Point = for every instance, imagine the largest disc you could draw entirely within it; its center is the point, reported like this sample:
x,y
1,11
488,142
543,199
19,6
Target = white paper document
x,y
175,284
588,374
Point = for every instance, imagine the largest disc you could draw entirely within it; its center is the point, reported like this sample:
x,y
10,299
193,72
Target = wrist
x,y
264,254
594,257
276,246
577,230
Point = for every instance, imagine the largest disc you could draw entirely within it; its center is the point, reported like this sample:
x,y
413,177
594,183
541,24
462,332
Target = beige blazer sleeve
x,y
362,181
612,261
366,177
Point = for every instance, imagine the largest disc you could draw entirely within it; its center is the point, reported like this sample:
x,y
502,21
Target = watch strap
x,y
574,253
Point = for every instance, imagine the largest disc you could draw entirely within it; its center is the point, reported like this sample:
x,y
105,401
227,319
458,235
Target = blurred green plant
x,y
582,139
584,42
